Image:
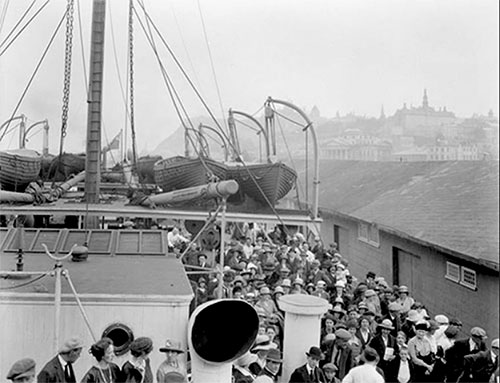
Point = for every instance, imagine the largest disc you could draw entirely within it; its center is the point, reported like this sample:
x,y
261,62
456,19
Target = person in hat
x,y
297,286
60,368
364,332
329,370
384,344
448,338
172,350
400,369
456,354
22,371
266,302
373,302
241,373
421,354
404,299
366,372
480,367
341,354
310,371
393,315
105,370
272,367
138,368
408,326
261,348
320,291
370,279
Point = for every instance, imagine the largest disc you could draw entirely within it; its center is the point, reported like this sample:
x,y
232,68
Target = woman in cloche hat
x,y
138,369
172,349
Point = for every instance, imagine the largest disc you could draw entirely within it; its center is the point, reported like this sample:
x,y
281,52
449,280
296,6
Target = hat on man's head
x,y
315,353
264,290
387,324
370,354
370,293
455,322
262,343
451,332
171,345
274,355
362,305
321,283
495,343
403,289
278,290
70,344
340,284
286,283
298,281
370,274
269,266
478,332
142,345
441,319
330,367
342,334
21,369
393,306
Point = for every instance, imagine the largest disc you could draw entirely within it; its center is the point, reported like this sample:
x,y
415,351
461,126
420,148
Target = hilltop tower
x,y
425,101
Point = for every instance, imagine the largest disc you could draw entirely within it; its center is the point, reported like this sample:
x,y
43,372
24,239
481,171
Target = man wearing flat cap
x,y
270,371
342,355
310,372
480,367
60,368
455,354
23,371
393,315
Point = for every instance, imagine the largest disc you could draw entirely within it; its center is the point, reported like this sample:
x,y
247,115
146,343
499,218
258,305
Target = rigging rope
x,y
26,283
22,29
131,79
18,22
84,64
34,73
4,13
211,63
67,73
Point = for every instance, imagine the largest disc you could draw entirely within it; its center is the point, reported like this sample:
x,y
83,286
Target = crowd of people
x,y
373,331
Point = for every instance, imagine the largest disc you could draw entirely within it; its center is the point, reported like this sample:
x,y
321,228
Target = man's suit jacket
x,y
360,337
455,357
377,343
392,370
396,323
300,375
478,367
52,372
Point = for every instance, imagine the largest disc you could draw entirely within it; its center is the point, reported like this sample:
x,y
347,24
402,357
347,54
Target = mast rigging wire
x,y
4,13
35,71
211,63
22,29
17,23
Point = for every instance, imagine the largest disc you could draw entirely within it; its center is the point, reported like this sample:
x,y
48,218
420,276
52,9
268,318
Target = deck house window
x,y
468,278
363,232
452,272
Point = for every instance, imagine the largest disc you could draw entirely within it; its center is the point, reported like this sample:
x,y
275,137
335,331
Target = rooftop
x,y
452,204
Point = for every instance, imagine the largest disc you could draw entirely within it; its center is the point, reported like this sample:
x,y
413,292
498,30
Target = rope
x,y
26,283
131,80
4,13
211,62
18,22
35,72
84,66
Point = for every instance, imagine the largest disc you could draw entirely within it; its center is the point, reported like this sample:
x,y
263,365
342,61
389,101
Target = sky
x,y
339,55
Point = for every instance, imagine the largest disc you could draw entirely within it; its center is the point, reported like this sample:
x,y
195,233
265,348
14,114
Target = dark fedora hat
x,y
315,352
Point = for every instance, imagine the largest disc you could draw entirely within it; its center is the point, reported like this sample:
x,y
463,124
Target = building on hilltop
x,y
423,120
432,226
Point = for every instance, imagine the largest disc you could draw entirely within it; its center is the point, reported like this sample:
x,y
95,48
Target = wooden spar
x,y
8,196
93,158
217,189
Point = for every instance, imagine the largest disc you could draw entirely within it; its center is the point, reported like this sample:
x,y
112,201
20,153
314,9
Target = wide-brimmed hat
x,y
393,306
274,355
315,352
171,345
262,343
387,324
422,325
412,316
264,290
21,369
278,290
370,293
298,281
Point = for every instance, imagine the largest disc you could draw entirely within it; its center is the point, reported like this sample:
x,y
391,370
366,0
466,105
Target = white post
x,y
57,306
302,328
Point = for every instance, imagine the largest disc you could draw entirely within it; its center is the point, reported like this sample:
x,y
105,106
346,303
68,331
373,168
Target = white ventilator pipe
x,y
219,332
302,328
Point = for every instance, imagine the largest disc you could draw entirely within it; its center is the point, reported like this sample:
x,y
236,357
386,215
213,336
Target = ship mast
x,y
93,158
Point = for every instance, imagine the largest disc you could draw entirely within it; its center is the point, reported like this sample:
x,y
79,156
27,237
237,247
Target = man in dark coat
x,y
60,368
479,367
309,372
341,353
393,315
455,355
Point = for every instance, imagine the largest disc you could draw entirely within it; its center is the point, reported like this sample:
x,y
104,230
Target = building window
x,y
368,233
452,272
468,278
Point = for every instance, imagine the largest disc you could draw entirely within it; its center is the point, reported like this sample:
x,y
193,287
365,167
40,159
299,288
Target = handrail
x,y
315,147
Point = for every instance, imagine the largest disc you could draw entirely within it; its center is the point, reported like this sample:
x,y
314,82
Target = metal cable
x,y
24,27
18,22
35,72
26,283
4,13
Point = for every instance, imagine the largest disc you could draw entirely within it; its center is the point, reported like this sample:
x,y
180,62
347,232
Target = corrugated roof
x,y
454,205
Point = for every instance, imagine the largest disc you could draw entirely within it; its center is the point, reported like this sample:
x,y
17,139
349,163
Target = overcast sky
x,y
340,55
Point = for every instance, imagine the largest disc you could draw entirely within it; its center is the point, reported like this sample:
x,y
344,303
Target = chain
x,y
67,72
131,77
